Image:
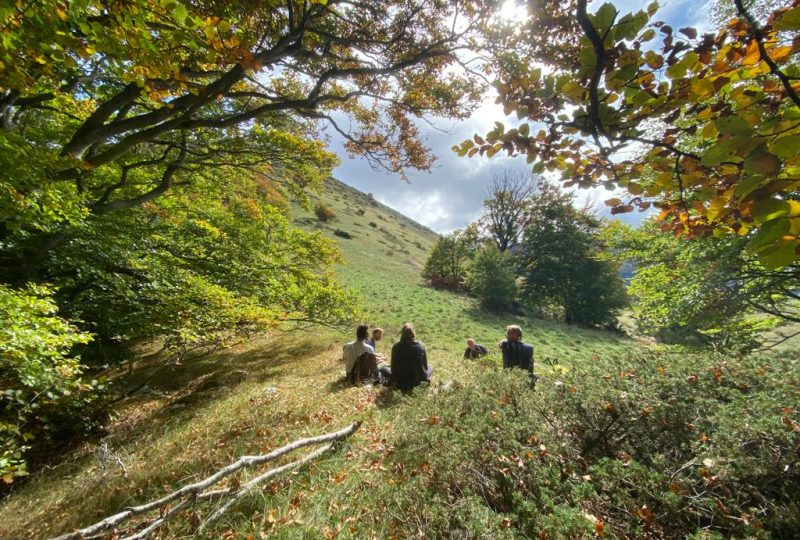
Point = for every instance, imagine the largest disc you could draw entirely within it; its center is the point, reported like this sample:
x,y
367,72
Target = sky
x,y
451,195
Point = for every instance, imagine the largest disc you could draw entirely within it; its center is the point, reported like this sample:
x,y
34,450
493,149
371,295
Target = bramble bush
x,y
650,445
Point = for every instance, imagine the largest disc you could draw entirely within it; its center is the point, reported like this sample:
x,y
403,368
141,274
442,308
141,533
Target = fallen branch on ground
x,y
194,493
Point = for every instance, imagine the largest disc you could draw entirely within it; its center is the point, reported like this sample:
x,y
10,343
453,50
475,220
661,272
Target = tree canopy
x,y
506,206
559,263
150,151
703,126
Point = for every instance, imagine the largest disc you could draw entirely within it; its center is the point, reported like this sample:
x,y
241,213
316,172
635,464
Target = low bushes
x,y
649,446
43,398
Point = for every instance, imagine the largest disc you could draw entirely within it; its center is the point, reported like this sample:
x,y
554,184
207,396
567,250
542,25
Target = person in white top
x,y
351,351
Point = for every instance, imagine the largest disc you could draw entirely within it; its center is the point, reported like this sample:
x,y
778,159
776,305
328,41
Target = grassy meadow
x,y
446,460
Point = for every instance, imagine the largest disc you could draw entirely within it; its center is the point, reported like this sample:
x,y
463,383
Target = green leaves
x,y
41,373
728,131
179,13
789,20
604,17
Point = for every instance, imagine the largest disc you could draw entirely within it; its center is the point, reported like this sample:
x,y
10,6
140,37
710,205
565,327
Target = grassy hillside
x,y
384,260
414,466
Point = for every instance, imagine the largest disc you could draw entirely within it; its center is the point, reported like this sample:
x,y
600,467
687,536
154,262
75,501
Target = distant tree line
x,y
531,248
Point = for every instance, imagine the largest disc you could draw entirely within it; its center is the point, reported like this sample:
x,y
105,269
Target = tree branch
x,y
195,491
773,67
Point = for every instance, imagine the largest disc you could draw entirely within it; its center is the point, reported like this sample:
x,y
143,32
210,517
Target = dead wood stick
x,y
111,522
249,486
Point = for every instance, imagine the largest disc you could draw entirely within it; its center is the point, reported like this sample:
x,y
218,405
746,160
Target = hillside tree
x,y
492,277
559,262
506,206
149,152
450,258
708,291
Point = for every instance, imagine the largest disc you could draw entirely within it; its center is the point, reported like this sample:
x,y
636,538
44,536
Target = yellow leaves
x,y
752,55
717,205
701,88
572,89
654,61
779,54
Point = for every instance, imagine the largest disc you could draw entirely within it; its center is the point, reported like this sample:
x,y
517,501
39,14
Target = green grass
x,y
213,409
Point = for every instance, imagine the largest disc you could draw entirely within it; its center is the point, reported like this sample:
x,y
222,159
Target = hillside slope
x,y
260,394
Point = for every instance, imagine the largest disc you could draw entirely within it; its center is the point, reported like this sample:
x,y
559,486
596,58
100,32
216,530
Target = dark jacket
x,y
477,352
517,354
409,364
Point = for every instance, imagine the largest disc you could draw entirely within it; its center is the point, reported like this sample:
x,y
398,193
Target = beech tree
x,y
506,206
559,262
705,290
149,150
703,126
107,105
492,278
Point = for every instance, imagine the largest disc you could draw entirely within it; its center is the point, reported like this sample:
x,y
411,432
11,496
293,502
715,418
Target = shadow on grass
x,y
338,385
177,392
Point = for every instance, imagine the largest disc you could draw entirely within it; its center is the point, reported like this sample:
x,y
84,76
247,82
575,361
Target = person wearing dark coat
x,y
409,361
474,350
516,354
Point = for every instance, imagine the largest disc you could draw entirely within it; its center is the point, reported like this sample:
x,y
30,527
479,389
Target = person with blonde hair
x,y
475,350
384,371
516,354
409,360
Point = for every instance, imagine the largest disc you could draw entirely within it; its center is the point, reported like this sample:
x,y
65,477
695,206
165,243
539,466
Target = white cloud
x,y
451,195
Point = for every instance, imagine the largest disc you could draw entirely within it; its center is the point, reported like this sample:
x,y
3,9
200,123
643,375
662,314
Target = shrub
x,y
648,446
373,224
42,393
492,279
324,212
342,234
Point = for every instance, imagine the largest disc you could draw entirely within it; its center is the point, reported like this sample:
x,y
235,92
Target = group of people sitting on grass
x,y
408,364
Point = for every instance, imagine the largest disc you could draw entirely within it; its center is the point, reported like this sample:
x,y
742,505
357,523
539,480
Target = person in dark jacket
x,y
516,354
474,350
409,360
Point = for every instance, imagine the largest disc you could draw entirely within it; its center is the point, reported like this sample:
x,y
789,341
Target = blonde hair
x,y
514,328
377,331
407,332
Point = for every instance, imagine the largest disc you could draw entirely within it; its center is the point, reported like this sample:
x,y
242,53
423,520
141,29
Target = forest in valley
x,y
179,269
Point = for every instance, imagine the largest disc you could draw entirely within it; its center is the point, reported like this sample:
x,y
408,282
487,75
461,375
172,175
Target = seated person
x,y
358,355
474,350
516,354
384,371
377,335
409,360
